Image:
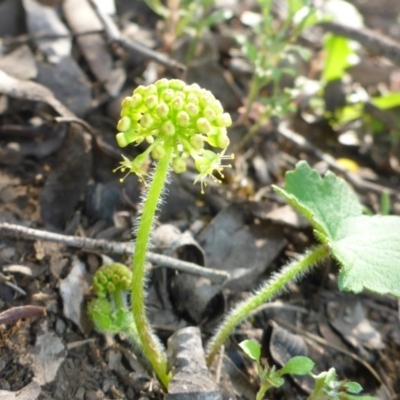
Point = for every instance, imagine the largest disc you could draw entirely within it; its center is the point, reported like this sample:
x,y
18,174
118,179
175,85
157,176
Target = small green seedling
x,y
327,385
109,309
270,376
271,50
187,17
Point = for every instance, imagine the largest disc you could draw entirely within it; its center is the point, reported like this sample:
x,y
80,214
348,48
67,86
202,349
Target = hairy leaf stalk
x,y
150,343
271,288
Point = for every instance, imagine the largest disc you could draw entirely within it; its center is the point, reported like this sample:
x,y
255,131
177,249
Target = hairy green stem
x,y
119,300
150,344
271,288
263,389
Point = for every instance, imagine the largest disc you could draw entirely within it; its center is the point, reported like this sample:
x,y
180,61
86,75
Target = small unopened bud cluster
x,y
108,309
171,114
112,278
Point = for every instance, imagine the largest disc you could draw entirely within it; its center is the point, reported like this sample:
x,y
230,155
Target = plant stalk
x,y
271,288
255,86
150,344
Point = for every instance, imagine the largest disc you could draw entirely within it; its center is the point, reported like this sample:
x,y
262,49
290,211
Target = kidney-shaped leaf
x,y
367,247
323,201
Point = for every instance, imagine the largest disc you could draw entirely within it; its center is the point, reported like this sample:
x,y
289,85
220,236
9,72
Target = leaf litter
x,y
63,66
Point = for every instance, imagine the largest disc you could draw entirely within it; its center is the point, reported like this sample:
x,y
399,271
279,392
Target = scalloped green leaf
x,y
324,202
367,247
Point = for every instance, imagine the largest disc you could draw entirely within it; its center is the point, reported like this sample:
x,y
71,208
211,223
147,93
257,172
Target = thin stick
x,y
114,37
108,246
21,39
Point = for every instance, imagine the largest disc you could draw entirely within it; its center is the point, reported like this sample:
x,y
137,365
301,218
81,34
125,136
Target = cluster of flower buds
x,y
172,113
109,309
112,278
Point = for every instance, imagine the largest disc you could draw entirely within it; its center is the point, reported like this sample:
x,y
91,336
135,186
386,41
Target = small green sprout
x,y
270,376
327,385
188,18
271,49
109,308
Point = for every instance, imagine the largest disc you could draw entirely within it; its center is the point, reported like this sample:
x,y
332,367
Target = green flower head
x,y
171,114
112,278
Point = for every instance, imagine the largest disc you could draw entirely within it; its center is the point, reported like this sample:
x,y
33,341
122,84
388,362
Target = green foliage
x,y
176,120
187,17
367,247
327,386
298,365
272,51
109,308
340,52
340,55
252,349
387,101
270,376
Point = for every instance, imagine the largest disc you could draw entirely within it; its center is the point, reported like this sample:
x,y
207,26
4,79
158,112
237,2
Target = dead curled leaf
x,y
46,356
28,90
72,291
14,314
235,242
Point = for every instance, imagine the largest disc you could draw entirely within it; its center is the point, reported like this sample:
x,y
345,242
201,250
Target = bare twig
x,y
73,119
26,38
79,343
111,247
6,281
353,178
114,37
